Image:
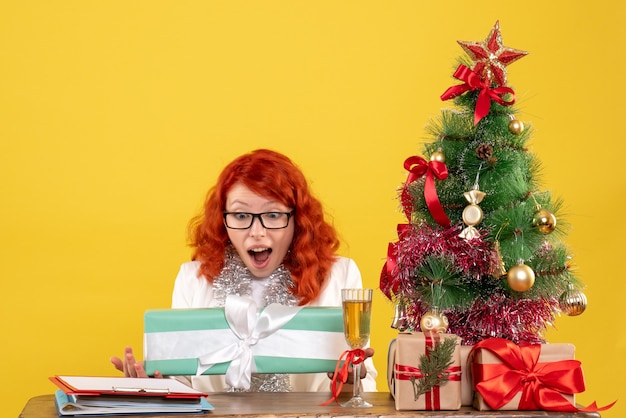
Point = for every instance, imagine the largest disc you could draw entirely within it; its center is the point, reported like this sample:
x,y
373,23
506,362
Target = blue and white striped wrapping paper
x,y
277,339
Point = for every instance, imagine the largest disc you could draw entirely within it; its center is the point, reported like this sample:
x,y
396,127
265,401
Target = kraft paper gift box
x,y
467,390
239,340
403,363
488,371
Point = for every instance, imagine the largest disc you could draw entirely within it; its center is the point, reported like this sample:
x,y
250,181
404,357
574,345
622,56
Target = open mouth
x,y
260,255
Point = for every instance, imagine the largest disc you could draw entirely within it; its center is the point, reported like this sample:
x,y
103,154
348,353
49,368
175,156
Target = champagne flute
x,y
357,311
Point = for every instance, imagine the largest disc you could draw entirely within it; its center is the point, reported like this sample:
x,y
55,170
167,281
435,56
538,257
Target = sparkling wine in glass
x,y
357,311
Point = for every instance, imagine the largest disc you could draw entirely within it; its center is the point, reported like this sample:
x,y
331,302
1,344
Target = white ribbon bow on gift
x,y
249,326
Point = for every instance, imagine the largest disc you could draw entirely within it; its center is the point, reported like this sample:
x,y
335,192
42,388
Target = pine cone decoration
x,y
484,151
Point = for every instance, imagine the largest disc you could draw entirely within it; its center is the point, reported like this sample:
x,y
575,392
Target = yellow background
x,y
116,117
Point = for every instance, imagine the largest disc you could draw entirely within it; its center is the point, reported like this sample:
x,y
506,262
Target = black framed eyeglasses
x,y
269,220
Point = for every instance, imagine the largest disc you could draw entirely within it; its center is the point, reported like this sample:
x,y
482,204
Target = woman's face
x,y
262,250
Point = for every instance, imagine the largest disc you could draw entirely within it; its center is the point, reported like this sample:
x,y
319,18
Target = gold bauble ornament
x,y
516,127
544,221
438,156
520,277
572,302
434,322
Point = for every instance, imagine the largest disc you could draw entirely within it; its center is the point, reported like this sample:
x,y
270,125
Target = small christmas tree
x,y
481,254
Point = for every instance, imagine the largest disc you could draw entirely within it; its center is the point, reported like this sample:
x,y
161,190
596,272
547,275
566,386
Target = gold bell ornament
x,y
500,269
572,302
520,277
400,320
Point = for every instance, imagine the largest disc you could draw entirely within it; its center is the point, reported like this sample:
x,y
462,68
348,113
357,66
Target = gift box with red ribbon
x,y
404,373
467,390
533,377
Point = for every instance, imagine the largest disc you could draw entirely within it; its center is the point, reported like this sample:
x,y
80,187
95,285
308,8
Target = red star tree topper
x,y
491,56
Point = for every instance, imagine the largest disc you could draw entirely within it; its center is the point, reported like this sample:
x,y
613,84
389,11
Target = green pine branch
x,y
438,281
433,366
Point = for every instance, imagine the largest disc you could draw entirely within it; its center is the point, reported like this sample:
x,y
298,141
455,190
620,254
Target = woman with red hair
x,y
262,234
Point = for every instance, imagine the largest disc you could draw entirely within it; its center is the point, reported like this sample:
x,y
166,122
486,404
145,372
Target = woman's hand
x,y
369,352
131,367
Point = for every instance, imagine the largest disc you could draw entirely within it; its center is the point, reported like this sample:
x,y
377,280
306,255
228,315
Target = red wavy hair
x,y
273,176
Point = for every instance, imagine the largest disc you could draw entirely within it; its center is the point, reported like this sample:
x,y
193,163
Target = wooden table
x,y
306,404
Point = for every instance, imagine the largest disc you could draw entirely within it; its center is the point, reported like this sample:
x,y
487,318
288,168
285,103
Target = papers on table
x,y
84,395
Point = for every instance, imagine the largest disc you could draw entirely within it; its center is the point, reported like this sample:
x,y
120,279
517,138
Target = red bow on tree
x,y
388,283
417,167
474,82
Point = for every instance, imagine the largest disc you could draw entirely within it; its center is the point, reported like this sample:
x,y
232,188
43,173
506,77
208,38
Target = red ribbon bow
x,y
542,385
388,284
342,370
474,82
417,167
